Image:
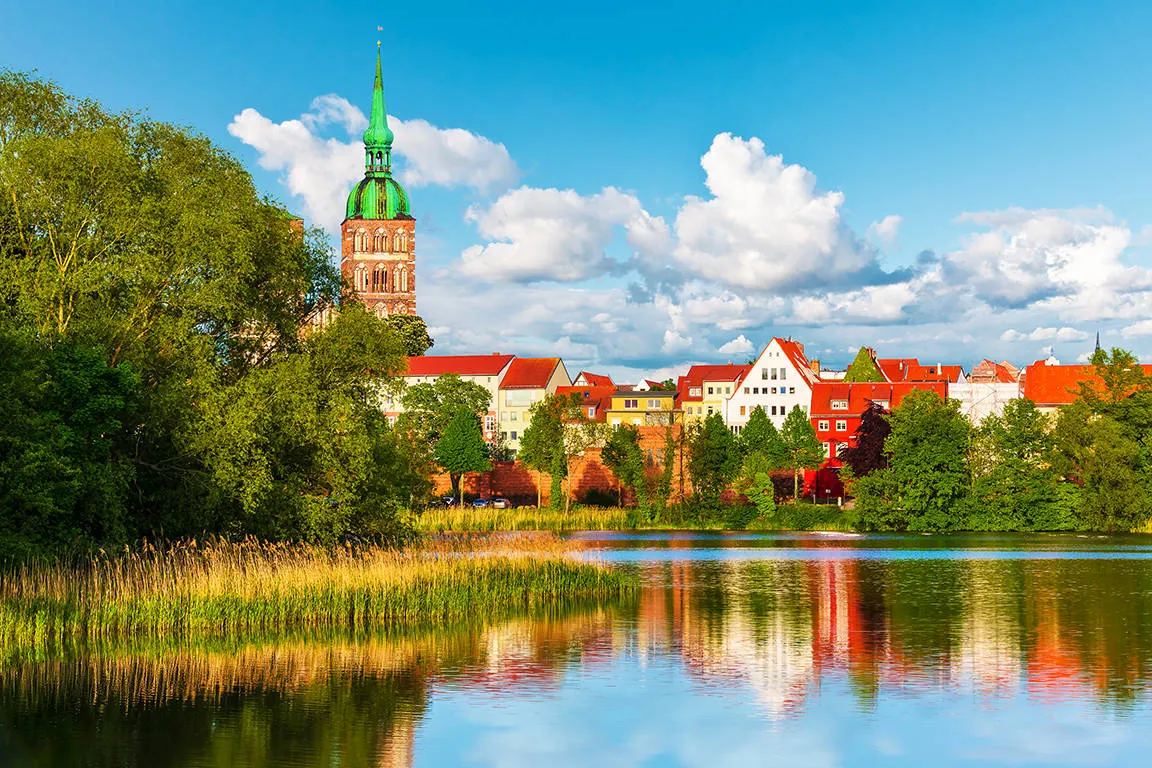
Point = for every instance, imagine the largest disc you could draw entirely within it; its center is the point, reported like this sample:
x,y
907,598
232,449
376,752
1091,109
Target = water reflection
x,y
778,641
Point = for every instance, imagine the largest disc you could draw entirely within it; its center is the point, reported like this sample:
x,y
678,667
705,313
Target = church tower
x,y
378,236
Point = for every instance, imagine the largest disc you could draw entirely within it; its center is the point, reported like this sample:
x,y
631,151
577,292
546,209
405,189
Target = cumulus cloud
x,y
1137,330
738,346
766,226
1045,334
548,234
320,170
885,230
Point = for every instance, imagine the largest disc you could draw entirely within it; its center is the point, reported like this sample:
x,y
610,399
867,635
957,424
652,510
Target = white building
x,y
780,379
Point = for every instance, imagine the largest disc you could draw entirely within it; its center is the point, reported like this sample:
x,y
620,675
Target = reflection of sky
x,y
625,714
683,687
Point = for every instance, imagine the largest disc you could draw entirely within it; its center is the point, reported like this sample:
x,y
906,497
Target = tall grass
x,y
788,517
218,587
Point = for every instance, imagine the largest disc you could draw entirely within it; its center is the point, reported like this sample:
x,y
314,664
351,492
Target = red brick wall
x,y
515,481
392,302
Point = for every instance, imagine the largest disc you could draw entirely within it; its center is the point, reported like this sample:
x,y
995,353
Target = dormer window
x,y
839,405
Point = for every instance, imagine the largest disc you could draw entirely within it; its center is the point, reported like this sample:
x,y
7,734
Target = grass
x,y
801,517
194,588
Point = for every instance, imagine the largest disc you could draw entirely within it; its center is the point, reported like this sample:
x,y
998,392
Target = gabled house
x,y
527,381
486,370
586,379
835,413
705,389
989,372
780,379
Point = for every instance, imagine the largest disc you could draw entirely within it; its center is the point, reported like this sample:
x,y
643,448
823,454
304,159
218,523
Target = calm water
x,y
740,650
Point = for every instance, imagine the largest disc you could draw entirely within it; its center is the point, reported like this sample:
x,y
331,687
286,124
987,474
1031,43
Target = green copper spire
x,y
378,137
378,195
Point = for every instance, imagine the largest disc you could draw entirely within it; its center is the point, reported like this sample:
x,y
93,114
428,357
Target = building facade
x,y
780,379
528,381
378,236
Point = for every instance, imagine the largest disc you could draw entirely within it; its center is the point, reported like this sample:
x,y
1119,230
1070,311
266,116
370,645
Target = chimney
x,y
815,366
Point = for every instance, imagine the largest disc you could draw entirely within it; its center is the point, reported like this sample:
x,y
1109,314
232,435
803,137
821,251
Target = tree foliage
x,y
924,486
412,332
760,437
429,407
162,307
461,449
713,459
802,448
863,367
865,454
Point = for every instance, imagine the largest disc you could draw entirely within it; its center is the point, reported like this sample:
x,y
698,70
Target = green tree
x,y
803,449
863,367
1014,486
462,450
413,333
760,436
430,407
925,484
625,460
713,459
541,445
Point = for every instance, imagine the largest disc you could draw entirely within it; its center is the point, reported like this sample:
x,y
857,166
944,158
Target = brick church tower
x,y
378,236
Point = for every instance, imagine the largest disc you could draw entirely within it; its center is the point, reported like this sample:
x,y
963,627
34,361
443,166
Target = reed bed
x,y
802,517
253,587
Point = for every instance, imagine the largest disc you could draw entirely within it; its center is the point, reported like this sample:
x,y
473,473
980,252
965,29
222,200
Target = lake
x,y
741,649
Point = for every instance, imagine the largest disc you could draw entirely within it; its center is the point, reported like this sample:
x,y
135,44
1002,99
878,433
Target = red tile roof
x,y
599,398
991,371
530,373
910,369
860,394
698,374
794,350
596,379
1052,385
462,365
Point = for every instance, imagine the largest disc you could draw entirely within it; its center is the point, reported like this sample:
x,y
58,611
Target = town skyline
x,y
621,255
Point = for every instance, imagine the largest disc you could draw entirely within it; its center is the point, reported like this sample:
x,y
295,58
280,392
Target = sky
x,y
637,187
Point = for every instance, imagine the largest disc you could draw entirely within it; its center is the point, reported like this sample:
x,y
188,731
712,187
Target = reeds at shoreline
x,y
219,587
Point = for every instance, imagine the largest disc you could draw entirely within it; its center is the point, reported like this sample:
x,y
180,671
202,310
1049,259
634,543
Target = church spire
x,y
1097,341
378,137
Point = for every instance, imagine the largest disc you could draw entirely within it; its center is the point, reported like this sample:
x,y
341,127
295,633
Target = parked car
x,y
480,503
501,503
448,501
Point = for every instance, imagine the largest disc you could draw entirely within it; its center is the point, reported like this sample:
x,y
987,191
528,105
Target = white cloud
x,y
738,346
1045,334
320,171
1137,330
766,226
548,234
886,229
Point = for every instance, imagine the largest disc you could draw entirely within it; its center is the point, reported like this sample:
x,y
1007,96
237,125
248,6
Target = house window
x,y
746,390
514,417
503,435
755,390
841,425
783,374
591,411
727,390
764,374
615,422
773,390
831,450
773,374
513,435
635,422
822,425
773,410
709,410
694,392
631,403
709,390
653,405
742,410
504,416
882,403
839,405
791,390
489,423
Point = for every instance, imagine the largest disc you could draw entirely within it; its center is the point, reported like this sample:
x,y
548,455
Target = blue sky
x,y
1032,115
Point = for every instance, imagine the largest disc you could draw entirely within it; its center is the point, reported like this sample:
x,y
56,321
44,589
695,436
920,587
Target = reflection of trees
x,y
301,702
1056,628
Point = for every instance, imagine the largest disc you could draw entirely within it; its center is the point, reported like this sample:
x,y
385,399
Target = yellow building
x,y
653,408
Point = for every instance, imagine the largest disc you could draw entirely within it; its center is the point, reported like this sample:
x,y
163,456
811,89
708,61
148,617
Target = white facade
x,y
778,381
979,400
